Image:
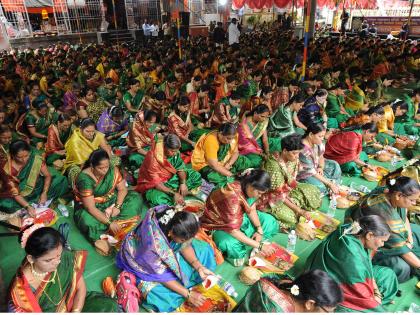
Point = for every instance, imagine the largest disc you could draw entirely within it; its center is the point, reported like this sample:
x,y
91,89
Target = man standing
x,y
344,19
219,34
233,32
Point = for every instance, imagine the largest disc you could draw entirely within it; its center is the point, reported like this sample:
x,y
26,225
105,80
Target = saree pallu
x,y
105,194
78,148
180,126
147,253
333,108
390,254
47,298
28,183
32,119
220,114
355,99
344,146
346,260
55,142
69,101
265,297
284,184
248,135
109,127
309,162
311,112
281,123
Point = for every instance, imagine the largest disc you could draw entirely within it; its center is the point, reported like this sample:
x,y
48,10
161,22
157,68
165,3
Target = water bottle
x,y
291,241
394,161
63,210
228,288
332,206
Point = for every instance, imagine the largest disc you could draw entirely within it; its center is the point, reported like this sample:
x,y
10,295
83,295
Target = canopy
x,y
36,6
356,4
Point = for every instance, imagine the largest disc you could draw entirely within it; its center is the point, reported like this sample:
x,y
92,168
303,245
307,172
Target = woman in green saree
x,y
284,121
288,199
252,136
401,251
102,199
34,124
335,103
346,255
236,225
312,292
50,278
216,156
163,177
25,179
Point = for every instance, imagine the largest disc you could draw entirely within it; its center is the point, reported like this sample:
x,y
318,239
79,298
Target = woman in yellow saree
x,y
50,278
81,144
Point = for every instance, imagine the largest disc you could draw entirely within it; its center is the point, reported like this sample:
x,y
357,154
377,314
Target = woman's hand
x,y
108,211
267,250
115,212
31,211
334,188
43,198
257,237
179,199
196,299
305,214
204,272
114,227
320,171
183,189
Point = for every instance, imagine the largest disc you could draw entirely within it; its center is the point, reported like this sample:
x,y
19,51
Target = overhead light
x,y
222,2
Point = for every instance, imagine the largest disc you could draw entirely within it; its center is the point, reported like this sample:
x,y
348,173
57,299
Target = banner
x,y
386,24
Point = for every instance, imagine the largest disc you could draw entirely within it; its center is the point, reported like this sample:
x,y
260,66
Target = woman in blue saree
x,y
166,260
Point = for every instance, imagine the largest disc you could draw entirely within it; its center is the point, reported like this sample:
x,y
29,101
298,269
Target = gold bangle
x,y
76,310
117,206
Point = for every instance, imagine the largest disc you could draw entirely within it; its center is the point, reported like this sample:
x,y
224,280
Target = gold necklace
x,y
61,292
41,276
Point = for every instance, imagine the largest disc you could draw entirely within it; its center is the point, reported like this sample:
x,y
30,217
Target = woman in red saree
x,y
346,148
56,138
140,137
50,278
179,123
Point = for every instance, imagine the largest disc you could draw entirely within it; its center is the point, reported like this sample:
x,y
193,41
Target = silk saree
x,y
105,194
147,253
284,185
55,142
58,296
346,260
157,168
28,182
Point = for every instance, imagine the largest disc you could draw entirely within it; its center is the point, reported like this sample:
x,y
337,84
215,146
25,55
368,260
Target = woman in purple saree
x,y
166,260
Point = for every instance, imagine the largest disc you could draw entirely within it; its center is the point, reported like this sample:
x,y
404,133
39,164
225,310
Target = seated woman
x,y
314,169
102,199
50,278
90,106
166,259
401,251
288,200
387,129
312,292
34,124
226,110
373,115
313,111
236,226
80,145
113,125
6,137
253,140
366,288
335,103
140,137
284,121
25,179
163,176
216,156
346,148
179,123
57,137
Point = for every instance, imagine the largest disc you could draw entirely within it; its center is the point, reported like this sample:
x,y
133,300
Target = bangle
x,y
108,222
117,206
259,233
260,246
27,206
188,295
75,310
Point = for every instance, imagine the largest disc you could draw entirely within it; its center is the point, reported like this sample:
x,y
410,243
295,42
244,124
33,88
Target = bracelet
x,y
108,222
188,295
117,206
260,246
27,206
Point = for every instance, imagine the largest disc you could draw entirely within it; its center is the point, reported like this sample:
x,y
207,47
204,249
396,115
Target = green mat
x,y
98,267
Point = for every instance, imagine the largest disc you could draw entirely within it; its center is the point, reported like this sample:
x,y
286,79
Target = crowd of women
x,y
246,134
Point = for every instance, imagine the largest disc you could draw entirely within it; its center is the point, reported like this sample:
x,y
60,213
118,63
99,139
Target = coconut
x,y
249,275
305,231
370,175
102,247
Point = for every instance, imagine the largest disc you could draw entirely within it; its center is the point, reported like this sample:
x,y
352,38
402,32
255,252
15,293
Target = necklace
x,y
42,275
61,292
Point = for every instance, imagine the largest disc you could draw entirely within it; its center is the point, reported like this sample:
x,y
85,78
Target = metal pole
x,y
306,38
178,30
408,23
